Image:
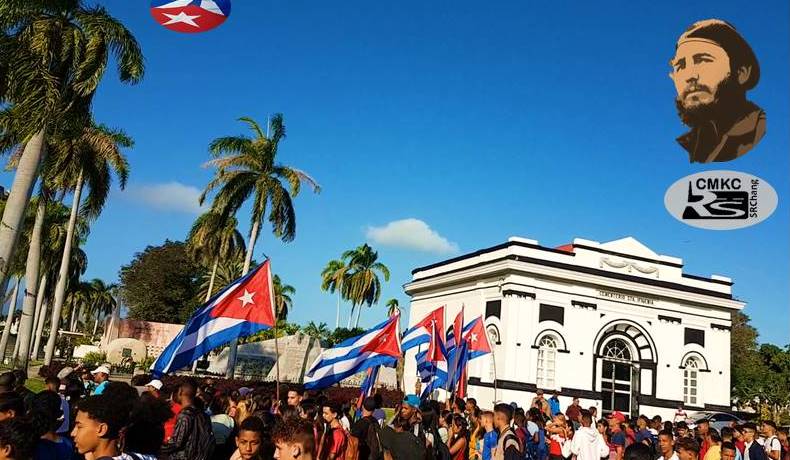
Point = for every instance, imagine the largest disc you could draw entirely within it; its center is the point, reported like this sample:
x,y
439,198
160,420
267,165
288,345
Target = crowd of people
x,y
86,415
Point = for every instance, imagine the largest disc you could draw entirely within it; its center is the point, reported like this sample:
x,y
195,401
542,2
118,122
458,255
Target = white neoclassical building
x,y
614,324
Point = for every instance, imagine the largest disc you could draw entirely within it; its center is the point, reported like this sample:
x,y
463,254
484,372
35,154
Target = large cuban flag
x,y
421,332
190,15
241,309
379,346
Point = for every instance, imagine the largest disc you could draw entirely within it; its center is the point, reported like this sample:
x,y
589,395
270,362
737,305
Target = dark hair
x,y
379,400
667,433
504,409
333,406
12,401
18,433
298,389
20,377
145,430
254,424
637,451
45,413
309,408
770,423
460,421
7,380
728,445
687,444
681,424
586,416
471,400
749,426
668,425
52,380
295,431
459,404
369,404
714,435
104,409
726,432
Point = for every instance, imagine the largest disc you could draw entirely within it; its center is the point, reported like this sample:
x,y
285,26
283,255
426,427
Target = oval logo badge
x,y
190,16
721,200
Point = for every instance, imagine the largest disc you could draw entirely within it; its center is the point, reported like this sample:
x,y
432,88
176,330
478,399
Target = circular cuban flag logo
x,y
190,16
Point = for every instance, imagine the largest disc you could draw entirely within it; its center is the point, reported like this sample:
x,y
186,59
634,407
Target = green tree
x,y
317,331
247,167
393,307
228,271
342,333
211,239
59,51
102,301
332,278
283,303
362,285
160,284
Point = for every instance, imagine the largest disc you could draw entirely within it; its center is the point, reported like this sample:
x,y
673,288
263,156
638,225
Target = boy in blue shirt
x,y
490,438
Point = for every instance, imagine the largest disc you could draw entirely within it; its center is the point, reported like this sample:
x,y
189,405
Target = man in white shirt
x,y
772,446
666,445
587,443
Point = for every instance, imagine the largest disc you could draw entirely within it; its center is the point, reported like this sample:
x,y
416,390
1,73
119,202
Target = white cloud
x,y
170,196
411,234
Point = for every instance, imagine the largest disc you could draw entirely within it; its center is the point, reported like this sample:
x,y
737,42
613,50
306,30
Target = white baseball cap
x,y
155,383
101,370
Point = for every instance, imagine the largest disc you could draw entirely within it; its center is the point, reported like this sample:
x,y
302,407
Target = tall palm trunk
x,y
8,320
96,322
359,313
72,321
235,342
63,274
38,317
42,317
18,198
211,280
32,265
337,312
351,316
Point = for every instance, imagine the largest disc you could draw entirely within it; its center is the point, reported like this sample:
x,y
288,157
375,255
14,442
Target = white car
x,y
717,420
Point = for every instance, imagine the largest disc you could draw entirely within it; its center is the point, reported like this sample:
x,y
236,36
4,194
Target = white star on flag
x,y
246,299
181,17
473,337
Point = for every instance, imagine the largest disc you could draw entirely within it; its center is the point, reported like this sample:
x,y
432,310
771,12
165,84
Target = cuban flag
x,y
453,343
243,308
432,364
421,332
366,390
379,346
475,335
190,16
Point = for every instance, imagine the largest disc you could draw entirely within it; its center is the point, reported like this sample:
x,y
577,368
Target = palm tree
x,y
317,331
247,167
92,158
332,278
228,270
282,297
212,239
102,301
60,51
393,307
362,285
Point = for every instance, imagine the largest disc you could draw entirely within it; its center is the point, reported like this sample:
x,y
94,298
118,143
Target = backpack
x,y
440,450
372,439
352,447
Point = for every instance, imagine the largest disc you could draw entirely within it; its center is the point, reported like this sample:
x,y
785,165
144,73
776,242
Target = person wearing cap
x,y
712,70
410,411
772,445
101,375
154,387
617,436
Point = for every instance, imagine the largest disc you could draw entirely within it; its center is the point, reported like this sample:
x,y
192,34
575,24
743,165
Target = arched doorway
x,y
617,377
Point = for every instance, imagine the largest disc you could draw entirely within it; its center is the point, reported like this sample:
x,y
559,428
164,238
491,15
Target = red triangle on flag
x,y
252,300
386,341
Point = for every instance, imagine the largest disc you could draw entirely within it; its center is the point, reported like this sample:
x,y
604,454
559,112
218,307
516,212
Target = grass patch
x,y
35,384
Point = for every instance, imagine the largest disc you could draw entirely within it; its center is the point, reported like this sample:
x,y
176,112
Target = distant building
x,y
156,336
614,324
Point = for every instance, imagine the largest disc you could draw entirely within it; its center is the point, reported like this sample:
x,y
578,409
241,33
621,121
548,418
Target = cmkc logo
x,y
190,16
721,200
717,198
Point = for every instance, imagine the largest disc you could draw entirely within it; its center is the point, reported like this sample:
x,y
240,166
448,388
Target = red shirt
x,y
170,424
338,447
703,448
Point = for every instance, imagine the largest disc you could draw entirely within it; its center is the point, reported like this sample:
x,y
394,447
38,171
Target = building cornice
x,y
539,268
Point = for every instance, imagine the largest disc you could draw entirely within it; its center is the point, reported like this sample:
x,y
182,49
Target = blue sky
x,y
483,121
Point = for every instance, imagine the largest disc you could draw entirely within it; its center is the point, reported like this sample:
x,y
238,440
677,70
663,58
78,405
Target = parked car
x,y
717,420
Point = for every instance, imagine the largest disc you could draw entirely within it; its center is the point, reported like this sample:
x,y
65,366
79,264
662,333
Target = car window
x,y
722,418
